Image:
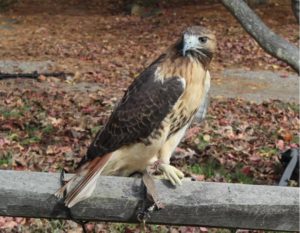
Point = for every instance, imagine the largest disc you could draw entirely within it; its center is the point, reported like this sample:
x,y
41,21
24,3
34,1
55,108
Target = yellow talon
x,y
171,173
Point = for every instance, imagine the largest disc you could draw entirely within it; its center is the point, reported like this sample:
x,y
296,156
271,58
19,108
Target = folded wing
x,y
142,109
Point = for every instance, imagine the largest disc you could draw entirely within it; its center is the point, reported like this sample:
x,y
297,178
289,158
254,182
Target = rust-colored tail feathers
x,y
85,186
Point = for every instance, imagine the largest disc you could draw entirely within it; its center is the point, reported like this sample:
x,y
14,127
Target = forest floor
x,y
47,124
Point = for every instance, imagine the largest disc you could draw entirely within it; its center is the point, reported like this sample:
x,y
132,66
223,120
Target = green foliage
x,y
120,227
10,114
13,137
238,177
208,169
6,158
14,113
268,151
288,106
212,168
47,226
48,129
57,225
202,143
33,134
31,140
221,230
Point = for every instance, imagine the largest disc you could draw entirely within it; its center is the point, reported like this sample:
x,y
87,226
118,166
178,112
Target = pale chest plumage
x,y
196,81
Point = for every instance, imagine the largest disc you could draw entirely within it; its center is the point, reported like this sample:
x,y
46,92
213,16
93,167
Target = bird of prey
x,y
150,120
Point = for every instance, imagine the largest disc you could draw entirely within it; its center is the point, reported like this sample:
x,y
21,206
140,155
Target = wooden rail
x,y
117,199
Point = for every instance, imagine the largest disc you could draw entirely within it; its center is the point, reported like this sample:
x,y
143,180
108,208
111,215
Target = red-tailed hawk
x,y
151,118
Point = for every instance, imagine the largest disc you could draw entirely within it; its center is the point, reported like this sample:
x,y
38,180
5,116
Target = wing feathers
x,y
142,109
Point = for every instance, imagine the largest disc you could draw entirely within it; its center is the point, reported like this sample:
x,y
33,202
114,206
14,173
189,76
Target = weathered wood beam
x,y
117,199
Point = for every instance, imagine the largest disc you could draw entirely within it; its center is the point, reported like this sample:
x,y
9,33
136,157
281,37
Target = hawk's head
x,y
198,43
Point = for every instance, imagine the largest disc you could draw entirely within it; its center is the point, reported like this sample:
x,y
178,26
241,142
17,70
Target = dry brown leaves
x,y
45,129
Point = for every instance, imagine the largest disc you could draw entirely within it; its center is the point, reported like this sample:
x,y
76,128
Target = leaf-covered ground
x,y
47,125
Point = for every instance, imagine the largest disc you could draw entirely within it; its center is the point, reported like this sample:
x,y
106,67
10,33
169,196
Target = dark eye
x,y
203,39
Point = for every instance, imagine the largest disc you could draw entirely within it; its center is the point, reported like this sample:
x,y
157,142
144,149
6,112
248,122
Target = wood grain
x,y
117,199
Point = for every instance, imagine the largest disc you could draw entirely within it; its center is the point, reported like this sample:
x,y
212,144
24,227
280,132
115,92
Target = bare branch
x,y
267,39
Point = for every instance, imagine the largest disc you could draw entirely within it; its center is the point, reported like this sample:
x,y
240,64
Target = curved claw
x,y
171,173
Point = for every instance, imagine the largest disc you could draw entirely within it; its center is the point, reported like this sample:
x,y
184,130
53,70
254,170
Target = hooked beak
x,y
189,43
186,48
184,52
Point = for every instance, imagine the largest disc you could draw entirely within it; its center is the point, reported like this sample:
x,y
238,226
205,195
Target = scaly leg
x,y
163,163
170,172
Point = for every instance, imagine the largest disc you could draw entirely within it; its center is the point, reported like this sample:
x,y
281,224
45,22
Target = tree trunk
x,y
4,4
296,8
267,39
